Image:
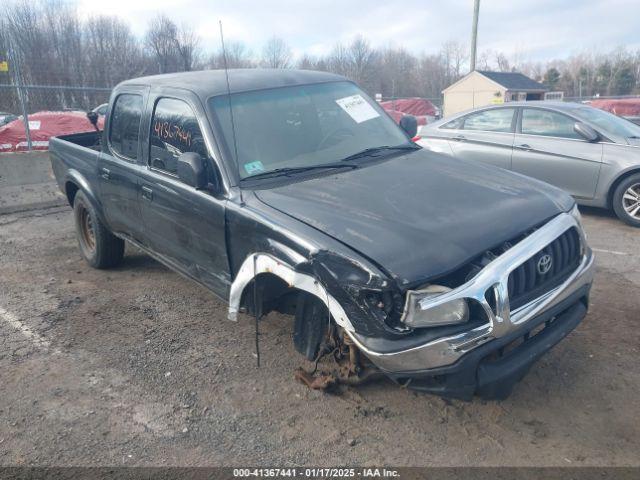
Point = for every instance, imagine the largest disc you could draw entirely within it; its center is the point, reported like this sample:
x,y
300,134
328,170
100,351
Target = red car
x,y
43,126
628,108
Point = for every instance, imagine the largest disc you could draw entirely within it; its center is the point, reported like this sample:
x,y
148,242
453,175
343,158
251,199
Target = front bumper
x,y
489,371
458,365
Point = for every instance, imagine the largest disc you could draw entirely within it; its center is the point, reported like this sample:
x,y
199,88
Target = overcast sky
x,y
534,30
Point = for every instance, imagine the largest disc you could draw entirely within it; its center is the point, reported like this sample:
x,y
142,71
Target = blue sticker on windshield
x,y
254,167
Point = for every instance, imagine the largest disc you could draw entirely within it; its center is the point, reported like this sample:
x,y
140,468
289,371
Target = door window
x,y
495,120
546,123
124,129
174,131
454,124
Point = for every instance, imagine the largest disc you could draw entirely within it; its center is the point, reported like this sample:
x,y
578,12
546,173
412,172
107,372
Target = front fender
x,y
258,263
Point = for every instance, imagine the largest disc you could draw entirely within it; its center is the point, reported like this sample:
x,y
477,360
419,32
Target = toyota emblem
x,y
545,262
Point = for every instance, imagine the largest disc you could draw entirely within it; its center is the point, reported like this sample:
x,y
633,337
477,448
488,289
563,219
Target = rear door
x,y
485,136
186,227
546,147
118,166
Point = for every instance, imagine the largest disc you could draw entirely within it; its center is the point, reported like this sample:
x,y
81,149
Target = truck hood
x,y
420,215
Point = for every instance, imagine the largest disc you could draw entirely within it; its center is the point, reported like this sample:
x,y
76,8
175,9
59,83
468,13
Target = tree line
x,y
52,45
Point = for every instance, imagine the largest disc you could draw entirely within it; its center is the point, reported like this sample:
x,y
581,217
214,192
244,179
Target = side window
x,y
495,120
454,124
547,123
124,129
174,131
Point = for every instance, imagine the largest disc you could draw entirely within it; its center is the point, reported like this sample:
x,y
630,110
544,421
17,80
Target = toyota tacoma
x,y
294,191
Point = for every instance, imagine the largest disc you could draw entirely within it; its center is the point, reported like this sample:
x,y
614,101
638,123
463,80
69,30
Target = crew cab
x,y
294,191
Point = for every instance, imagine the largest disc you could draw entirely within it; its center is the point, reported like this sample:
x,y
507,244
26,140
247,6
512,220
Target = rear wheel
x,y
99,247
626,200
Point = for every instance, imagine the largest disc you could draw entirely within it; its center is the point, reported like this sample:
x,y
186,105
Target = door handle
x,y
524,146
459,138
147,193
105,173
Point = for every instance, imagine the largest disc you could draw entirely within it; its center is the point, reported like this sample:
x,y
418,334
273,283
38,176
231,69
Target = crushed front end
x,y
480,337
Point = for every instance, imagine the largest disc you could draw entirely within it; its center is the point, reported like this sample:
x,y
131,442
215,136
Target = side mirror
x,y
409,124
191,170
586,132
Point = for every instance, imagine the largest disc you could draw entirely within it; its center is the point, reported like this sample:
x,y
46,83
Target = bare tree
x,y
307,62
362,62
455,55
187,45
617,61
175,49
503,62
161,40
53,45
276,53
484,60
432,76
338,60
102,37
398,73
238,56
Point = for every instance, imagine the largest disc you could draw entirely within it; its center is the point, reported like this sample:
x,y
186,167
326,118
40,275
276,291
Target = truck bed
x,y
77,152
89,140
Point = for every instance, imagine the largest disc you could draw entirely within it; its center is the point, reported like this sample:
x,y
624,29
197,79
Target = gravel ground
x,y
138,366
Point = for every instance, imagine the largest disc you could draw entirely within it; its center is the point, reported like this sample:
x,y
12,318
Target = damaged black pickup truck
x,y
294,191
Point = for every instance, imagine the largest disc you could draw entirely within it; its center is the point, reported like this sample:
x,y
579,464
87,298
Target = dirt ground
x,y
138,366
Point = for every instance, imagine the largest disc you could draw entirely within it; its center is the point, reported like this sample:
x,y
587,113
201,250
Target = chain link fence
x,y
23,107
585,98
32,101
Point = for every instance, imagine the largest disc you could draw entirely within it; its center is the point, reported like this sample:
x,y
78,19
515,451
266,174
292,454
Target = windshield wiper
x,y
288,171
372,151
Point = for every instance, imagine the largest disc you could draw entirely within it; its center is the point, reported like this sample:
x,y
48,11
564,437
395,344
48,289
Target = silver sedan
x,y
592,154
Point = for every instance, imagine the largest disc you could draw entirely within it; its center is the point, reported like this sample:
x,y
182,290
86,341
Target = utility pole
x,y
474,34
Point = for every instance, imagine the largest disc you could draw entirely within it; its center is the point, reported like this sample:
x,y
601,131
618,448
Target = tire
x,y
311,325
626,200
99,247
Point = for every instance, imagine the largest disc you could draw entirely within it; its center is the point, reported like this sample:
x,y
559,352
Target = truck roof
x,y
207,83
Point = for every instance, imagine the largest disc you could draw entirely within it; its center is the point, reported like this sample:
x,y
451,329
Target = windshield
x,y
302,126
608,122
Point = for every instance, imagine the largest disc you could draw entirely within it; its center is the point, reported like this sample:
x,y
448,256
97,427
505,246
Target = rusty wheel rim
x,y
86,230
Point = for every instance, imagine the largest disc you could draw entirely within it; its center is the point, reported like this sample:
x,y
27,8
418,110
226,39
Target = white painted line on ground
x,y
13,321
612,252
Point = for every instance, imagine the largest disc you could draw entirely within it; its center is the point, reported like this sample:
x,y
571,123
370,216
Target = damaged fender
x,y
258,263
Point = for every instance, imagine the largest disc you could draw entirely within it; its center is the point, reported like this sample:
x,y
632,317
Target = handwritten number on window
x,y
171,131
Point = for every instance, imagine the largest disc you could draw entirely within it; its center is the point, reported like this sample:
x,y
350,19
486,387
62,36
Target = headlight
x,y
449,313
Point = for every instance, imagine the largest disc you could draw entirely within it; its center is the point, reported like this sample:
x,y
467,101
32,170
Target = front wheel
x,y
626,200
311,325
99,247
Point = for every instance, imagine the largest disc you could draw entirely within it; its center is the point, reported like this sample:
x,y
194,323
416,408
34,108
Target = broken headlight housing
x,y
450,312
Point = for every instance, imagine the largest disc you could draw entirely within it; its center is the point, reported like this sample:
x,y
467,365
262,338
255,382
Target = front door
x,y
184,226
485,136
547,148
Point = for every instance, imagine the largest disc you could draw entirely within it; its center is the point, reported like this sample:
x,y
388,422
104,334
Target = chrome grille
x,y
532,279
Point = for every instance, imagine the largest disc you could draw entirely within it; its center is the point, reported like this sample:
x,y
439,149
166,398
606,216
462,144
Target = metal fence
x,y
24,101
599,97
